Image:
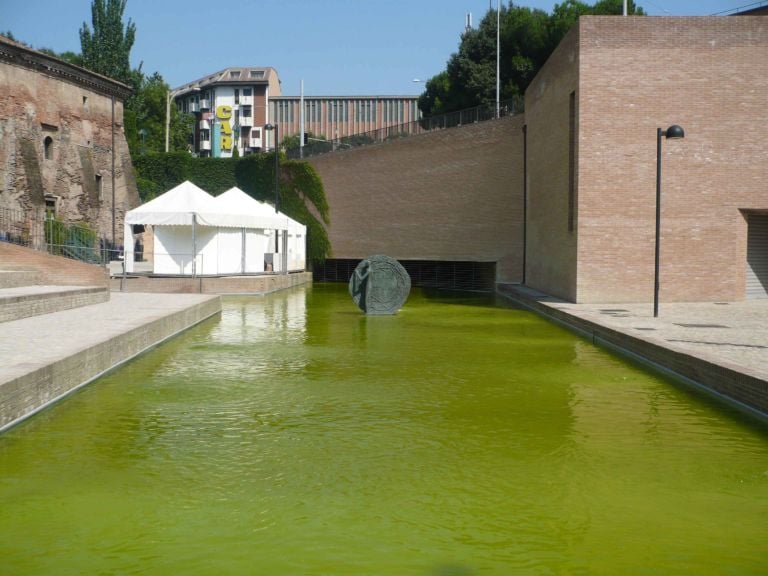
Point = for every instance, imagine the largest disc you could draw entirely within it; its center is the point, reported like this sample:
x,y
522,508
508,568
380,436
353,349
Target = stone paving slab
x,y
45,357
729,335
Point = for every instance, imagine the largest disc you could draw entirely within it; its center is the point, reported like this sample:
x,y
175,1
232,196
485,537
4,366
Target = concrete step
x,y
13,278
25,301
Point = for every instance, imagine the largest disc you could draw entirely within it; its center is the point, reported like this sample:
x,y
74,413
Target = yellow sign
x,y
224,113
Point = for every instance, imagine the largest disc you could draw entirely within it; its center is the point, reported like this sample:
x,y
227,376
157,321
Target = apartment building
x,y
233,106
230,108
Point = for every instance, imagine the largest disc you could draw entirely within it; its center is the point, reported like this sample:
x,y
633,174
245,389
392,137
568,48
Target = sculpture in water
x,y
379,285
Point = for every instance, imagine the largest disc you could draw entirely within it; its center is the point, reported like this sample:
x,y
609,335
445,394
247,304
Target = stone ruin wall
x,y
43,97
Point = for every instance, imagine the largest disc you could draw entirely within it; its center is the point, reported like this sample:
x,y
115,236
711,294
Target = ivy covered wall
x,y
302,196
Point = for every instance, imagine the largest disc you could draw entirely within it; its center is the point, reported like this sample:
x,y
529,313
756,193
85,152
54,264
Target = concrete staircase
x,y
34,283
32,300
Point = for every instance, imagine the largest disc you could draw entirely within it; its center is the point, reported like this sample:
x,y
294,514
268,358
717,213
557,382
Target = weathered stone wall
x,y
44,98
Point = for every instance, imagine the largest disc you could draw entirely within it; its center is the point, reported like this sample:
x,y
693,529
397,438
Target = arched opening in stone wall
x,y
48,148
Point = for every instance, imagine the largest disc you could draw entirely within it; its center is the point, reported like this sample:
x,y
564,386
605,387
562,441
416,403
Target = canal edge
x,y
731,385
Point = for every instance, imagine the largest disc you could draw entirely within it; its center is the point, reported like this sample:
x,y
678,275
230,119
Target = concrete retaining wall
x,y
739,388
25,394
210,285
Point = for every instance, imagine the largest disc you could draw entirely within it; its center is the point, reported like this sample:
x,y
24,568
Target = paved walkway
x,y
43,358
31,343
732,335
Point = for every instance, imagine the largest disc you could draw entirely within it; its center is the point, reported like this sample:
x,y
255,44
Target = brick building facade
x,y
592,114
583,228
62,144
452,195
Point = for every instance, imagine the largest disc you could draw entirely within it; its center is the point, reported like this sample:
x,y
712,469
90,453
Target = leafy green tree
x,y
68,56
107,48
292,142
527,38
146,111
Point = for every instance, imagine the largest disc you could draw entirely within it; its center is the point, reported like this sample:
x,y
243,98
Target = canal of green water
x,y
293,435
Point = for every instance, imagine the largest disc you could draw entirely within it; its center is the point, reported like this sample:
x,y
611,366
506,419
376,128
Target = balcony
x,y
246,100
205,104
254,143
204,125
194,107
205,144
246,120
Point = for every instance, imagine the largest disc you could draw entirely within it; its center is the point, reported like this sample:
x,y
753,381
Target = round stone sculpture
x,y
379,285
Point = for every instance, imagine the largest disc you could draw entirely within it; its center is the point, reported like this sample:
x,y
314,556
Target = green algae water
x,y
293,435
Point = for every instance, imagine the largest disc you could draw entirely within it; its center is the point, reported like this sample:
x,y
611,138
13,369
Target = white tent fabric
x,y
195,233
259,242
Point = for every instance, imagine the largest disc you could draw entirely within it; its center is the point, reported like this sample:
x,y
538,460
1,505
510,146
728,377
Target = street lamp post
x,y
274,127
674,132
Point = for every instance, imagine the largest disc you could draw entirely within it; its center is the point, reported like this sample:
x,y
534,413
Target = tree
x,y
527,38
68,56
146,111
106,49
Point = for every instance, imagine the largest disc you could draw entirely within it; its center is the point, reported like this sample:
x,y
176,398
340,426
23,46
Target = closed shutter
x,y
757,256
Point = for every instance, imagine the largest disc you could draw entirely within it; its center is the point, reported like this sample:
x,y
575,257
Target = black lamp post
x,y
674,132
274,127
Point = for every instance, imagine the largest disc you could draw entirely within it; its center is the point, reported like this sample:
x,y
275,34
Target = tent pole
x,y
194,244
242,252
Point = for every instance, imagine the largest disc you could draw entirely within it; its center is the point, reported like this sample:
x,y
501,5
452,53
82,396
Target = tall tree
x,y
527,38
107,48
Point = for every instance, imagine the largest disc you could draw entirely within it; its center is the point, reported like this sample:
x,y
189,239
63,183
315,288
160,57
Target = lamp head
x,y
269,127
674,132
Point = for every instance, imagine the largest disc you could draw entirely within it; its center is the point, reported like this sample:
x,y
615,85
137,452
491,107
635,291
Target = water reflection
x,y
296,435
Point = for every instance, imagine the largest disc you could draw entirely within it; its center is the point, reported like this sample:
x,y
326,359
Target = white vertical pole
x,y
498,54
301,122
625,7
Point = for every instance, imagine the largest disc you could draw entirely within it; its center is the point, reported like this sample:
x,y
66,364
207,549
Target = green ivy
x,y
302,196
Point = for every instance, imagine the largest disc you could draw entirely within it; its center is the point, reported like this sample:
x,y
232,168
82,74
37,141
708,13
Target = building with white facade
x,y
232,106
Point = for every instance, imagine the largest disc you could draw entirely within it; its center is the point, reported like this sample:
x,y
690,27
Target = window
x,y
257,74
205,135
256,133
48,148
50,206
237,96
338,110
571,161
247,91
234,74
85,100
99,187
246,111
284,111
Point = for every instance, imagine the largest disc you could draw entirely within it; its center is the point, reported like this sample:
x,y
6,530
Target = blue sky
x,y
338,47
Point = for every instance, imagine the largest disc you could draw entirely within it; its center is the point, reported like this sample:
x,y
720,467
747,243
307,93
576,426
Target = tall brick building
x,y
62,144
592,115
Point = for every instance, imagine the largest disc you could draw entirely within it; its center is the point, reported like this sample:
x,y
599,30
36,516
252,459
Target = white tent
x,y
195,233
259,245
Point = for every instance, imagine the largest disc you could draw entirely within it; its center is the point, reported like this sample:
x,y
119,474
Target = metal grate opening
x,y
467,276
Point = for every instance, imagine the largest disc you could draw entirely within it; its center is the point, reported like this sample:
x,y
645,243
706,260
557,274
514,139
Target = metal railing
x,y
421,126
34,229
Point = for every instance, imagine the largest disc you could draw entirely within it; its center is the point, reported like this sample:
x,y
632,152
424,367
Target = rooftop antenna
x,y
468,22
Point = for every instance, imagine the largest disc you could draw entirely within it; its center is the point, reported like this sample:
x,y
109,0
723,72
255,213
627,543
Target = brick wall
x,y
709,75
54,270
452,195
631,76
551,247
43,97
